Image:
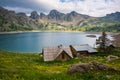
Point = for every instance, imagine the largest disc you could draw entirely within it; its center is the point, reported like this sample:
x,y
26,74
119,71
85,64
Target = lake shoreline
x,y
15,32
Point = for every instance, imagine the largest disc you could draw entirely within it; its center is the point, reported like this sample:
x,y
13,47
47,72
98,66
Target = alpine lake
x,y
30,42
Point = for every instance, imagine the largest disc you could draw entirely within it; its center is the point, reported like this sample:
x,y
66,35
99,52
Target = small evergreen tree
x,y
102,42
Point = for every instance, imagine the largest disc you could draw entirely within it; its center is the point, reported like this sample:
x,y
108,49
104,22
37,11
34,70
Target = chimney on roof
x,y
60,46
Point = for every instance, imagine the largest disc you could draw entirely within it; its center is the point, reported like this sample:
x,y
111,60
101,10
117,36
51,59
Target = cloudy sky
x,y
96,8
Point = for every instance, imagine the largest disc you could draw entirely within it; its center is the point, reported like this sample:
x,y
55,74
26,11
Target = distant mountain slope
x,y
11,21
113,16
110,23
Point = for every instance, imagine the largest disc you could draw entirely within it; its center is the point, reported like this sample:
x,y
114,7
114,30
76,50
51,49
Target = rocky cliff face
x,y
34,15
54,14
69,19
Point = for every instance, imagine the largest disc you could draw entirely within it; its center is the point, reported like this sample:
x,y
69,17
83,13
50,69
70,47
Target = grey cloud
x,y
23,4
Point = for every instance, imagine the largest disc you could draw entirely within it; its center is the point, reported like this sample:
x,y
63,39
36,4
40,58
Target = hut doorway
x,y
63,56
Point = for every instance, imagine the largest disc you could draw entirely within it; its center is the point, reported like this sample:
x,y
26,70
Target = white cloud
x,y
95,8
19,9
90,7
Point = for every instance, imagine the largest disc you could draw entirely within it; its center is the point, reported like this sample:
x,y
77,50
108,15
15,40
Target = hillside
x,y
21,66
11,21
57,21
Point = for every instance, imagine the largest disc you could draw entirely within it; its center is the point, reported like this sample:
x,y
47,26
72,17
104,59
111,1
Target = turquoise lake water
x,y
36,41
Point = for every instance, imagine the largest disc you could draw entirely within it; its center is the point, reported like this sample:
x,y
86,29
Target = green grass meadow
x,y
23,66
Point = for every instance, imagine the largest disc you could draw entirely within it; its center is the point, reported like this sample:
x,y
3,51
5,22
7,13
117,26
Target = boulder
x,y
87,67
111,58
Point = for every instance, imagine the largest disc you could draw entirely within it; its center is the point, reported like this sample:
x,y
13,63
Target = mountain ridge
x,y
55,20
69,19
73,18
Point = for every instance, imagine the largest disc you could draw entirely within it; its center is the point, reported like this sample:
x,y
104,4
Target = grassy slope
x,y
15,66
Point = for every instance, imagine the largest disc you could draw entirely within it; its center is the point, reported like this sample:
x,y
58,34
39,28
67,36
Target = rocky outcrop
x,y
92,66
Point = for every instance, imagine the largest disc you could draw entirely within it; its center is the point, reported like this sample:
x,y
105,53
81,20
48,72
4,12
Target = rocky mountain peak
x,y
113,16
73,13
55,14
34,15
116,14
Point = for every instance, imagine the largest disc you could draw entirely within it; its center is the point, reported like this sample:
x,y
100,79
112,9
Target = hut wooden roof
x,y
51,53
